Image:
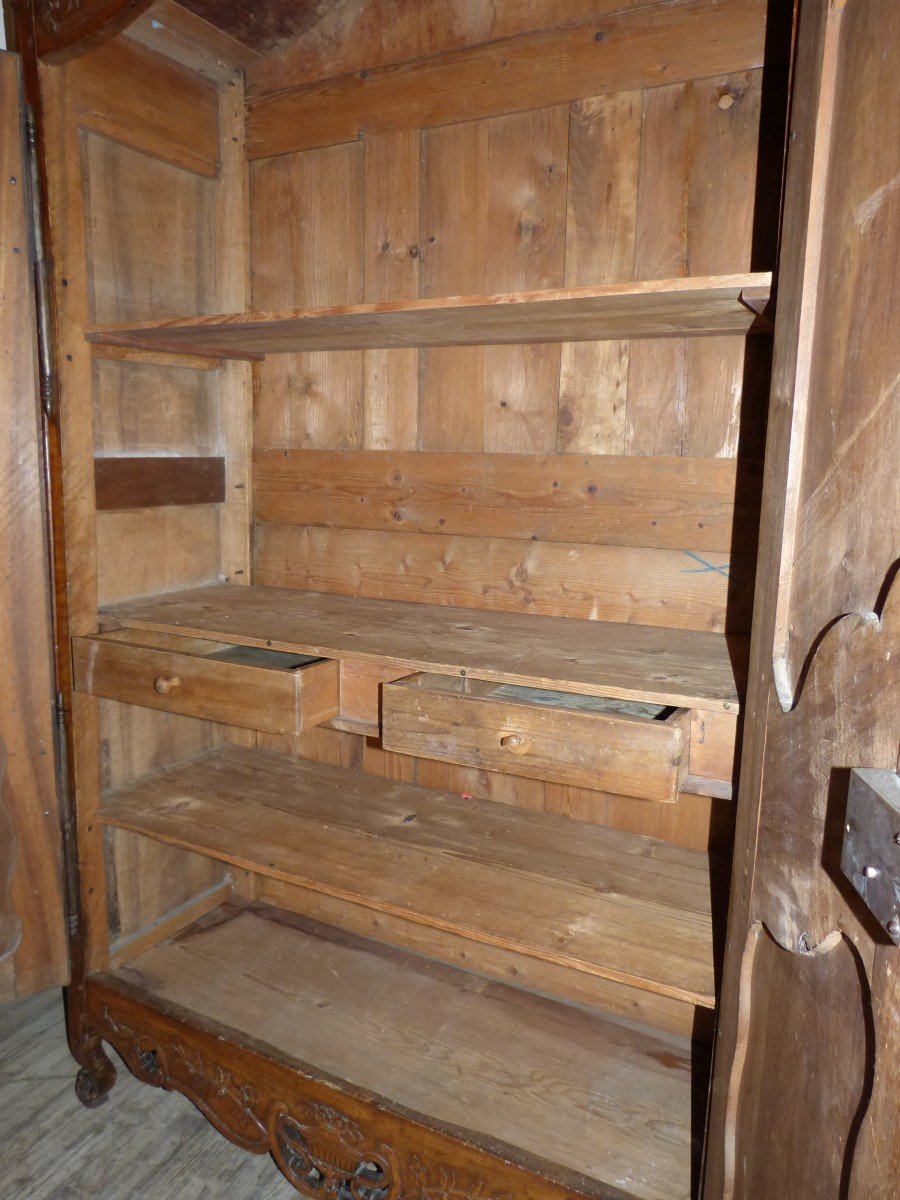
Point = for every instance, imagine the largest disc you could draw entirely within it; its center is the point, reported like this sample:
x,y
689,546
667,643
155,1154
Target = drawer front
x,y
542,735
277,693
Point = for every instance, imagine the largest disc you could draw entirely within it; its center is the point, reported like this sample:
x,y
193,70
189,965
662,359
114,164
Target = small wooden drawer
x,y
234,685
609,745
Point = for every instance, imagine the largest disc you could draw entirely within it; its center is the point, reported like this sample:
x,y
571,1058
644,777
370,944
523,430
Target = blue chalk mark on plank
x,y
705,567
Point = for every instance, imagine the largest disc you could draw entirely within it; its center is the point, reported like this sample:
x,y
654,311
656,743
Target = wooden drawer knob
x,y
515,742
163,685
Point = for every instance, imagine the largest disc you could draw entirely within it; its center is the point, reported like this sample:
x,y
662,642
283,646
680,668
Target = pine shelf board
x,y
718,304
679,667
615,905
592,1103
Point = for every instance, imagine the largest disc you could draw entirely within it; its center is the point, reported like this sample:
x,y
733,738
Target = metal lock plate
x,y
871,851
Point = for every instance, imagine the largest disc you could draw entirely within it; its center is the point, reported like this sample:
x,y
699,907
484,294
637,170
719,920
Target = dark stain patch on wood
x,y
157,482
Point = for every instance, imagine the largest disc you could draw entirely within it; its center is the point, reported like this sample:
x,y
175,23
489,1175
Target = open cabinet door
x,y
805,1092
33,946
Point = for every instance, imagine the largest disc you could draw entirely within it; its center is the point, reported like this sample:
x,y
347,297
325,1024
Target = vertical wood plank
x,y
33,948
307,251
604,148
391,257
724,136
525,249
454,232
656,375
232,287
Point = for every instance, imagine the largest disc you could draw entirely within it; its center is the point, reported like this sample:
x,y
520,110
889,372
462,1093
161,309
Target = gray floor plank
x,y
143,1144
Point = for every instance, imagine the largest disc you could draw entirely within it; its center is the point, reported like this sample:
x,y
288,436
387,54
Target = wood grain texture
x,y
571,894
637,49
793,1000
597,583
143,100
604,148
281,698
33,946
169,28
685,668
464,721
306,249
605,500
846,365
458,1029
658,308
351,34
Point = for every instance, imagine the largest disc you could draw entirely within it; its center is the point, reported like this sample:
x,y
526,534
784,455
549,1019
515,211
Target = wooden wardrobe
x,y
449,456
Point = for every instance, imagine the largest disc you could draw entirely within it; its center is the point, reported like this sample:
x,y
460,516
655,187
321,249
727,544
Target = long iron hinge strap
x,y
41,280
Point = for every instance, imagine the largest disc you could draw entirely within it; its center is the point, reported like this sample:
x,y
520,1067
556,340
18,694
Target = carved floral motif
x,y
322,1151
325,1154
444,1183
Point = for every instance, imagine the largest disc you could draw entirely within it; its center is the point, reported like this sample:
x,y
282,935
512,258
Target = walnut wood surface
x,y
33,946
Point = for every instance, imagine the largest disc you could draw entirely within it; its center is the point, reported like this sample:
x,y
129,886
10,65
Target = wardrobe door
x,y
33,948
802,1102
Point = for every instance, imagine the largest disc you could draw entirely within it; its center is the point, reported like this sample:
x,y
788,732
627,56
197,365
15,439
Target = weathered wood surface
x,y
610,54
685,668
577,1099
279,699
833,581
803,1035
614,500
678,589
594,900
466,722
33,949
713,305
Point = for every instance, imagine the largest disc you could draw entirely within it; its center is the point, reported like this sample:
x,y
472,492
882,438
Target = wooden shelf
x,y
594,900
678,667
596,1105
720,304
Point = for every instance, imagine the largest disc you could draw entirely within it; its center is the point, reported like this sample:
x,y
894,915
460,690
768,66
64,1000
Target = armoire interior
x,y
415,368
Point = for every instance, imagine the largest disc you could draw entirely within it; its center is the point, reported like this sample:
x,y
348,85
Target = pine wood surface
x,y
536,734
143,1145
553,1081
664,308
615,53
281,697
604,902
685,668
613,500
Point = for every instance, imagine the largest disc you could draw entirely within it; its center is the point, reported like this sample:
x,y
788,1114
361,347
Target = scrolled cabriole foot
x,y
97,1075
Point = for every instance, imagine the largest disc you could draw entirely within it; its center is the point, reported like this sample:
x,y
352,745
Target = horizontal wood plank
x,y
564,1093
608,903
129,482
679,667
658,308
646,48
615,500
638,586
148,102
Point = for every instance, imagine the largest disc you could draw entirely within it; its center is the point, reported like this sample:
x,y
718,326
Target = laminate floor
x,y
143,1144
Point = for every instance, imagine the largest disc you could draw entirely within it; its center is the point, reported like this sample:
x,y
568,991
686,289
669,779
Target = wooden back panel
x,y
357,196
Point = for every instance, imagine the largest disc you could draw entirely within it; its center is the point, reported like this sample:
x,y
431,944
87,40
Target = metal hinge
x,y
41,275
